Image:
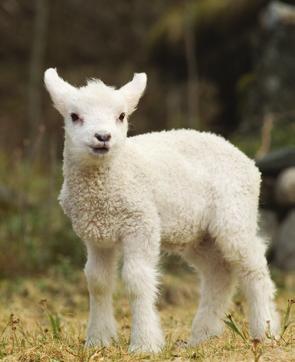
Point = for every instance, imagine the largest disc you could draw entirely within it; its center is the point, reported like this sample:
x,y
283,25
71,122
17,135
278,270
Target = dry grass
x,y
43,319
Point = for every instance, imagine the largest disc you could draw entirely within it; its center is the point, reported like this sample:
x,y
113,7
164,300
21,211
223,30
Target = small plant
x,y
54,320
232,325
287,321
256,347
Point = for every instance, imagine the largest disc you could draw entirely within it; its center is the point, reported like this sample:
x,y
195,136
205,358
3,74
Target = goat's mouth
x,y
100,150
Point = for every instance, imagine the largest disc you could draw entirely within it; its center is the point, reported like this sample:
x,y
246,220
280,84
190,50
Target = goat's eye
x,y
122,116
75,117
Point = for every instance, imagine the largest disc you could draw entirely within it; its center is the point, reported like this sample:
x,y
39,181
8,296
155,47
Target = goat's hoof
x,y
99,341
146,348
203,334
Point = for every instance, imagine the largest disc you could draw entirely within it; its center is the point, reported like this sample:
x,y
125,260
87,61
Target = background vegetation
x,y
203,73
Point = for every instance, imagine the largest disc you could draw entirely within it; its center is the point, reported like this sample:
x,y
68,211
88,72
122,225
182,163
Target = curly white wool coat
x,y
185,191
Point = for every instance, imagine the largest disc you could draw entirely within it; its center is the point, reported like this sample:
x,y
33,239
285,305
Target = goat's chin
x,y
92,156
99,151
97,156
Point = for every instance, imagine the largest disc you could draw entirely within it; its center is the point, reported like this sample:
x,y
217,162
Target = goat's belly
x,y
177,232
182,226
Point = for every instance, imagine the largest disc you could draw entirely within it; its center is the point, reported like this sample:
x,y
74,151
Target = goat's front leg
x,y
139,273
100,271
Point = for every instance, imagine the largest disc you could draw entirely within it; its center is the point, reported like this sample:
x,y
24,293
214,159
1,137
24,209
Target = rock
x,y
284,251
285,187
267,195
276,161
278,13
268,225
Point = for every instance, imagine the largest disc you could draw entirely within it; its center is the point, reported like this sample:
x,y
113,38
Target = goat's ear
x,y
133,90
61,92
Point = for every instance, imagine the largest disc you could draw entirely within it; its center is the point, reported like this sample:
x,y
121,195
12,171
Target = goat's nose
x,y
103,137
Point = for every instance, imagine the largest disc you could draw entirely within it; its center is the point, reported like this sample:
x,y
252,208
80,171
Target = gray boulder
x,y
285,187
284,251
268,225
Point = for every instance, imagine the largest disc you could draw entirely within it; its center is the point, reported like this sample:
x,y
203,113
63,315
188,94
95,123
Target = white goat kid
x,y
193,191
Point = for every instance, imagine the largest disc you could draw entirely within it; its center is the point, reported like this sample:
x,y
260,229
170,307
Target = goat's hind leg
x,y
248,256
259,291
217,286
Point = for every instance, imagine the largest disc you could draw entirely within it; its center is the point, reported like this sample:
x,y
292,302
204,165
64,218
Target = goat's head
x,y
96,115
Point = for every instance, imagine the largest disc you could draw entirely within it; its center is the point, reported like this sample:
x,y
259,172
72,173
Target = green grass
x,y
44,319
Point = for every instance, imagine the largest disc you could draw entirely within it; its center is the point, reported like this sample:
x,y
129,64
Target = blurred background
x,y
226,66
